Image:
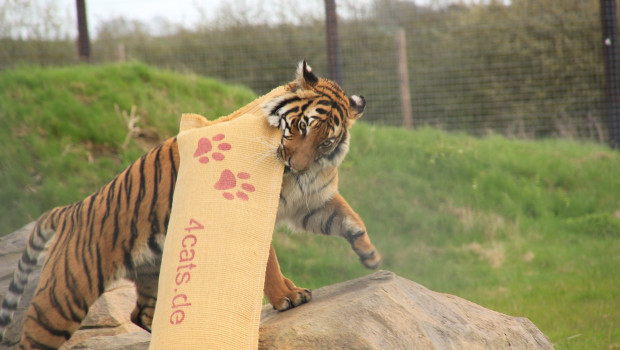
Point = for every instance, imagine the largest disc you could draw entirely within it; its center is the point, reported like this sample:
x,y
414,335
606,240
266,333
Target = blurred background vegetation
x,y
524,68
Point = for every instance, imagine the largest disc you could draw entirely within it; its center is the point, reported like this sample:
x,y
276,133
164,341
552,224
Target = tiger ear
x,y
358,103
305,78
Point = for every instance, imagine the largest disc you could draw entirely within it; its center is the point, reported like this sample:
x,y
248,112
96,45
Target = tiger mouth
x,y
287,166
291,170
297,172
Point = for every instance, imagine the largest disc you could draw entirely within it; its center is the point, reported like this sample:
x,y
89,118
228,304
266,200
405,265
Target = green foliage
x,y
525,68
61,136
527,228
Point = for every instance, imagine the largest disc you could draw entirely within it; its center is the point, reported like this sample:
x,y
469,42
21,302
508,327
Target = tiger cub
x,y
119,231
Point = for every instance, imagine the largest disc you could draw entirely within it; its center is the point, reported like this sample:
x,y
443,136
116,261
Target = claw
x,y
306,297
286,304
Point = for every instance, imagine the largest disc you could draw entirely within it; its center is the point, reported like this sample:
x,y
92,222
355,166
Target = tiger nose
x,y
296,168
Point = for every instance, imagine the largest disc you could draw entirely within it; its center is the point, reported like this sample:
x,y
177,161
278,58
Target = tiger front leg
x,y
338,218
146,288
279,290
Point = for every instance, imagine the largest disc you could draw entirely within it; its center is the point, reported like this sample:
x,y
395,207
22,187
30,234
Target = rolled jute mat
x,y
219,233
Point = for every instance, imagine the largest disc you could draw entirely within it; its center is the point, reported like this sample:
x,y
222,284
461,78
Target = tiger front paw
x,y
371,260
289,296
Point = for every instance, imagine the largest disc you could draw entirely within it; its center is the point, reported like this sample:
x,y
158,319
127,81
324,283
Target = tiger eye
x,y
302,125
327,143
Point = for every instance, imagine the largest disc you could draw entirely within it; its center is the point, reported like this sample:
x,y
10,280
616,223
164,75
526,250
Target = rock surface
x,y
379,311
384,311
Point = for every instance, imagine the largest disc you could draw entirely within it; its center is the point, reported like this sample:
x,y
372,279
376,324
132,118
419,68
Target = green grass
x,y
527,228
61,136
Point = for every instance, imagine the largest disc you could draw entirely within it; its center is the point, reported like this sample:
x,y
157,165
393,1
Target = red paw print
x,y
228,181
205,146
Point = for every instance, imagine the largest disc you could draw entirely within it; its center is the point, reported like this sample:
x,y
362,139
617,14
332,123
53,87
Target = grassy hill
x,y
63,130
528,228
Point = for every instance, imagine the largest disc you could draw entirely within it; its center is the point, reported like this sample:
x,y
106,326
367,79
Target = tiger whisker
x,y
304,178
269,153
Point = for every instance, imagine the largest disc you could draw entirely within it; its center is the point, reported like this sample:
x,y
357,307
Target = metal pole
x,y
333,47
403,77
609,21
83,39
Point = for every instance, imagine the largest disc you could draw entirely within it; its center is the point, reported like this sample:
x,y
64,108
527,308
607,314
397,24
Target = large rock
x,y
384,311
108,324
379,311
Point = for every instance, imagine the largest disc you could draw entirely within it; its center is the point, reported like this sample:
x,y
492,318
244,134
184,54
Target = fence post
x,y
120,52
83,39
333,47
609,22
403,78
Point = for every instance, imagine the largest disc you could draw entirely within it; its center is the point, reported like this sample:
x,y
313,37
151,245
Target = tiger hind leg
x,y
60,303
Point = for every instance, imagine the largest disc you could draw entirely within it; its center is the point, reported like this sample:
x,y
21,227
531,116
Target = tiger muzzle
x,y
296,169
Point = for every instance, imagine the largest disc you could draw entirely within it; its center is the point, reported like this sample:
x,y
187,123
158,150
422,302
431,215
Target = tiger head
x,y
314,116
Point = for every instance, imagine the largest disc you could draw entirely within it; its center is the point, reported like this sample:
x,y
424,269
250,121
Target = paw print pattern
x,y
228,181
205,146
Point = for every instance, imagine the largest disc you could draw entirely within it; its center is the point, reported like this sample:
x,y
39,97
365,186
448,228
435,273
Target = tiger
x,y
119,231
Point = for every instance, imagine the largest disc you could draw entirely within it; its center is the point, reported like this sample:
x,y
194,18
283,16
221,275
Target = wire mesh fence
x,y
523,68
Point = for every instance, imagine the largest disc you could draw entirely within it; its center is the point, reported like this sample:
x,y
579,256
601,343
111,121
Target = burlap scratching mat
x,y
217,245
